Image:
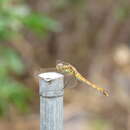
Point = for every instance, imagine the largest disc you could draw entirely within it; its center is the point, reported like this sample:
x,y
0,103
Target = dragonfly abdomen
x,y
82,79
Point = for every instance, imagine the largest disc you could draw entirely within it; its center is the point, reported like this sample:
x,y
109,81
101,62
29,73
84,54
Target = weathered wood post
x,y
51,101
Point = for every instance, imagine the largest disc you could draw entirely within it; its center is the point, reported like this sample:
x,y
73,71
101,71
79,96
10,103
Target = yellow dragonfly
x,y
68,69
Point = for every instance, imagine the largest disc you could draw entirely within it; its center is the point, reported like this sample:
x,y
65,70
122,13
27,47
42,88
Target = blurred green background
x,y
93,35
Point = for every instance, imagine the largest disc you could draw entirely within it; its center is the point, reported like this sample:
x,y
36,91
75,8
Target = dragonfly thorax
x,y
63,68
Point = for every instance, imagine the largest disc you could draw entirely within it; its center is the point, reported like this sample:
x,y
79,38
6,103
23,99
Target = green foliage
x,y
10,61
40,24
14,17
11,91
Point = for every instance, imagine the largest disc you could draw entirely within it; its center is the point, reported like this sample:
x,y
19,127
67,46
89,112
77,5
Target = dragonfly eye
x,y
59,66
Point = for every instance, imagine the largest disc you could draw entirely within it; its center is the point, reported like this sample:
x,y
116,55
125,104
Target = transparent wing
x,y
70,81
63,62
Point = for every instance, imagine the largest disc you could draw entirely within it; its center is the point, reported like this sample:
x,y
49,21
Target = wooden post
x,y
51,101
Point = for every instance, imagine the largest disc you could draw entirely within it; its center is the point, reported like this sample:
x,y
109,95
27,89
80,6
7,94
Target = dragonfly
x,y
72,73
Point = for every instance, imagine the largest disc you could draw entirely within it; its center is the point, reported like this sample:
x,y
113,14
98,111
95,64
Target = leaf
x,y
15,93
11,60
40,24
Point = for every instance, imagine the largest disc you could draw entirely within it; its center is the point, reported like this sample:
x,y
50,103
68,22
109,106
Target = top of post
x,y
48,76
51,84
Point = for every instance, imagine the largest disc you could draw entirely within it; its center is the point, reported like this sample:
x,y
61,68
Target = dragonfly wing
x,y
70,81
63,62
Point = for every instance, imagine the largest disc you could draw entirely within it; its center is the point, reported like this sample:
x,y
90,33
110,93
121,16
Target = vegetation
x,y
15,16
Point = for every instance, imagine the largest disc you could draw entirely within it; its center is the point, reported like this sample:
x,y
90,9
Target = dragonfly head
x,y
59,67
62,68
